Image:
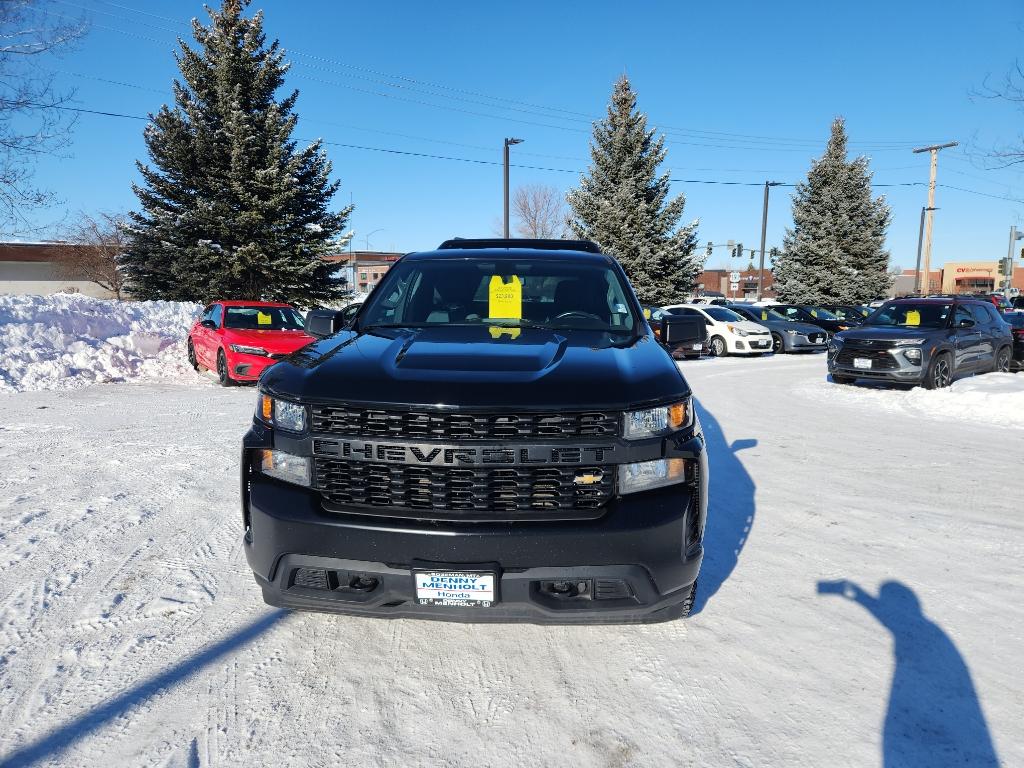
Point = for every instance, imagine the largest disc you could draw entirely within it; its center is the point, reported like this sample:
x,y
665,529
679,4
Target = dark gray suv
x,y
923,341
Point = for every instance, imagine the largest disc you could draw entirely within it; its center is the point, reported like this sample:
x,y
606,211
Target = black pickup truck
x,y
496,436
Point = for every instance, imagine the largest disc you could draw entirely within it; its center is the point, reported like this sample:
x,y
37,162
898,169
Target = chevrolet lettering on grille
x,y
358,449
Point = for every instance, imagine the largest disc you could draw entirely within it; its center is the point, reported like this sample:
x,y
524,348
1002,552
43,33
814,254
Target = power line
x,y
477,161
735,141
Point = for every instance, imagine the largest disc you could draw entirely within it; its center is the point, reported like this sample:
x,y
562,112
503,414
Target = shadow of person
x,y
730,508
934,716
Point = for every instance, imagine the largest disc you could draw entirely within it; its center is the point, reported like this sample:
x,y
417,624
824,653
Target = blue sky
x,y
745,92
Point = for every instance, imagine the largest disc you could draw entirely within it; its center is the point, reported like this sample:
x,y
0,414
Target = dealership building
x,y
977,277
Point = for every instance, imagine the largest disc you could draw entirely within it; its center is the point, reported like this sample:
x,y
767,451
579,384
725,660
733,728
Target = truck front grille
x,y
370,422
465,493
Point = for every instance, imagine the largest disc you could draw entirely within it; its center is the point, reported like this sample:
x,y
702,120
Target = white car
x,y
728,332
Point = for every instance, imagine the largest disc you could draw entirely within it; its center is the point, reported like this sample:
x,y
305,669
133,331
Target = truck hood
x,y
480,367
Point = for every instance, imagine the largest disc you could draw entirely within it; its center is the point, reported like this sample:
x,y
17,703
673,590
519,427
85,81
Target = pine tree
x,y
835,251
622,205
231,207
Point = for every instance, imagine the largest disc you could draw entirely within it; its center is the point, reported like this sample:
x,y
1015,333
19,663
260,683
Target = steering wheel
x,y
577,313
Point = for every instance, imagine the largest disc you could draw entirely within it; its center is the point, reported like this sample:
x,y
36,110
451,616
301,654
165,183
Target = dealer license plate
x,y
457,588
861,362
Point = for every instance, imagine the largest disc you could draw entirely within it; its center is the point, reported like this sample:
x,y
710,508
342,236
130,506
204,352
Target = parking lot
x,y
859,599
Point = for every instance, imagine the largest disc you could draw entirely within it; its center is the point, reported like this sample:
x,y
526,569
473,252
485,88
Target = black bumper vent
x,y
367,422
464,493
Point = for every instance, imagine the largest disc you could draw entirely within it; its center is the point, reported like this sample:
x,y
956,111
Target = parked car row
x,y
929,341
751,329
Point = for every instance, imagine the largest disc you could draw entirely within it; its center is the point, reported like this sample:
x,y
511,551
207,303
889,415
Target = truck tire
x,y
687,605
940,372
718,347
223,375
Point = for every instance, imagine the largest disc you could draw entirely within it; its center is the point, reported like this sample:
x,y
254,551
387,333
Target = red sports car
x,y
239,339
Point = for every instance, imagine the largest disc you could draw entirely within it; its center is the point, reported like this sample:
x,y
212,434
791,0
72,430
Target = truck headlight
x,y
282,413
645,475
662,420
284,466
245,350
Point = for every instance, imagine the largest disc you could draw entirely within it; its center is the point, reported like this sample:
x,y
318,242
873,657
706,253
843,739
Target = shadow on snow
x,y
730,507
57,741
934,716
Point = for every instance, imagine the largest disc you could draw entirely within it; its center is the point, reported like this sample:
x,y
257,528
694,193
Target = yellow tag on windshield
x,y
764,314
913,317
497,333
263,318
647,313
505,298
814,313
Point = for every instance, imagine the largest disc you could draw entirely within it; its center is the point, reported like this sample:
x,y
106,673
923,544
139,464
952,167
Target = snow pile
x,y
66,341
990,399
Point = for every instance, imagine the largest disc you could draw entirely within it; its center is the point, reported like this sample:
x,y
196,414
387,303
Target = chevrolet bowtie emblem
x,y
588,478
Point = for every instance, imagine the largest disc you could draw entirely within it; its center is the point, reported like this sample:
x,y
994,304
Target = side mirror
x,y
966,323
209,324
676,329
323,322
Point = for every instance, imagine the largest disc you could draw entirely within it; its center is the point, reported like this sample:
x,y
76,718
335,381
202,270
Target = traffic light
x,y
738,252
710,247
1002,266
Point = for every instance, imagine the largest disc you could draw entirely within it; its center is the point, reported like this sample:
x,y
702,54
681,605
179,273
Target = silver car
x,y
787,335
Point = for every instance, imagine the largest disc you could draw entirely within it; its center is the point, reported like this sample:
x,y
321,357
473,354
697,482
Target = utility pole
x,y
508,143
1008,269
927,255
764,233
917,267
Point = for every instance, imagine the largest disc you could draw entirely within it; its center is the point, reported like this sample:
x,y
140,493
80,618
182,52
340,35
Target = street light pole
x,y
1008,269
934,149
508,143
917,267
764,233
366,238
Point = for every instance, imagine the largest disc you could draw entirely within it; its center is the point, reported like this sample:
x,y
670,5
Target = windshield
x,y
548,293
911,315
763,313
724,315
263,319
820,313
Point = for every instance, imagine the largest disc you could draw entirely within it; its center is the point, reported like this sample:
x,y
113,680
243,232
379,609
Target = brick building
x,y
714,282
364,269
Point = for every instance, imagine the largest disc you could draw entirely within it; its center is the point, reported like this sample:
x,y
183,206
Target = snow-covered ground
x,y
66,341
860,600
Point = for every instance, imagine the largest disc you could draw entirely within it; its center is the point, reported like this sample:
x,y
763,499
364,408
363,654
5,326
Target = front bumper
x,y
899,370
751,345
800,341
639,560
245,367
